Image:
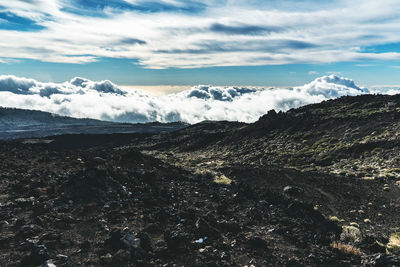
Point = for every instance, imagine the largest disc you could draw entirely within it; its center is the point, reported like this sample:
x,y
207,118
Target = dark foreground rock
x,y
70,208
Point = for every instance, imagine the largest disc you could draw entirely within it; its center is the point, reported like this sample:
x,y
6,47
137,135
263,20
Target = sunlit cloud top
x,y
105,100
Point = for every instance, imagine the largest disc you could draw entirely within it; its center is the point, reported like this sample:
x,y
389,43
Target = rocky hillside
x,y
314,186
344,155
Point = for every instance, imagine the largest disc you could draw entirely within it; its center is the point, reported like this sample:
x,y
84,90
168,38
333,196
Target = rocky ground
x,y
315,186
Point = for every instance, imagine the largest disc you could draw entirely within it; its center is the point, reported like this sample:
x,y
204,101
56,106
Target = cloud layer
x,y
104,100
186,34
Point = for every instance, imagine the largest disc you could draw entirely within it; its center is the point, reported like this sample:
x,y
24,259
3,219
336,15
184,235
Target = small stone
x,y
122,256
84,245
131,241
145,241
175,238
293,191
49,263
62,257
37,256
30,230
99,160
160,246
106,258
225,256
381,259
115,240
386,188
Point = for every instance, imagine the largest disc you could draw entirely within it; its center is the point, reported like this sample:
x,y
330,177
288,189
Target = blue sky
x,y
177,42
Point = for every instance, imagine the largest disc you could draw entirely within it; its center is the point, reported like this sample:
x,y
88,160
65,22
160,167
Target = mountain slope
x,y
13,117
313,186
344,154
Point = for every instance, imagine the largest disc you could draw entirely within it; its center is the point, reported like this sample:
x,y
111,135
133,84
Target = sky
x,y
189,42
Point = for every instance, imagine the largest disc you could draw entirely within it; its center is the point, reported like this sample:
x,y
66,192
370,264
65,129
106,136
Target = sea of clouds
x,y
104,100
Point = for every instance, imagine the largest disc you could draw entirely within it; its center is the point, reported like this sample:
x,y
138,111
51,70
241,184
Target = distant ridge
x,y
14,117
22,123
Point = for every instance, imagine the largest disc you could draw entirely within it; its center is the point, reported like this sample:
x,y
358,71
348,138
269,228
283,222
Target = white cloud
x,y
364,65
333,72
278,32
104,100
312,72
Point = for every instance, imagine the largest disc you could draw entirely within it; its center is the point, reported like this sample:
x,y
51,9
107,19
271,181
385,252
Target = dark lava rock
x,y
131,242
230,226
62,260
372,245
145,241
24,201
106,259
256,242
176,238
381,260
30,230
205,227
160,247
122,256
114,241
37,255
293,191
90,184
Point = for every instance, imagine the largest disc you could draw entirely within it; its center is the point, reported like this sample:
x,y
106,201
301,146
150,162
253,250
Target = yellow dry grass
x,y
222,180
394,243
347,249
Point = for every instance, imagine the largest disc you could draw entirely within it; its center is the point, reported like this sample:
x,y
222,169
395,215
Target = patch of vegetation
x,y
394,243
347,249
335,219
222,180
354,224
368,178
351,234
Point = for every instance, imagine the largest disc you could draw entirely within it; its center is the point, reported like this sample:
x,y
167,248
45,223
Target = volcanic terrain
x,y
313,186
